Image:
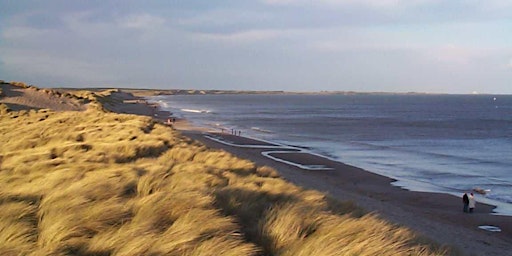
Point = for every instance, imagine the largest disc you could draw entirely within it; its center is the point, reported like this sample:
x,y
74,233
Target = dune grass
x,y
99,183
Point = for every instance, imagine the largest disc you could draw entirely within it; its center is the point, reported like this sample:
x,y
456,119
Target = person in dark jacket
x,y
465,201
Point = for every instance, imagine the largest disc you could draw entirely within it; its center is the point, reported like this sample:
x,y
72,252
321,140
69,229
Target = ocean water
x,y
434,143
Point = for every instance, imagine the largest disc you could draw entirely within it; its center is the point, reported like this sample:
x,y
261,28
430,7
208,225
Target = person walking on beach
x,y
465,201
471,203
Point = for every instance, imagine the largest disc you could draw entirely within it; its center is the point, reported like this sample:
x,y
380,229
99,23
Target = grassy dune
x,y
99,183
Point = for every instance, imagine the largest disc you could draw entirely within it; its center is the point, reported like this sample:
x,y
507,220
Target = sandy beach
x,y
435,215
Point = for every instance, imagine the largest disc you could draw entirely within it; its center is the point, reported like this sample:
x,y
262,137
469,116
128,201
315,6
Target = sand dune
x,y
24,98
119,183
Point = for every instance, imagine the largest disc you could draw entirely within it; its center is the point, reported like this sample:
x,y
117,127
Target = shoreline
x,y
183,124
395,182
453,185
305,160
437,216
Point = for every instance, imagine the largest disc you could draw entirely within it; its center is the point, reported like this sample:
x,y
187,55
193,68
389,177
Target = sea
x,y
433,143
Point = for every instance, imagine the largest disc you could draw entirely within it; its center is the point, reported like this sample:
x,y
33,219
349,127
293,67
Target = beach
x,y
435,215
438,217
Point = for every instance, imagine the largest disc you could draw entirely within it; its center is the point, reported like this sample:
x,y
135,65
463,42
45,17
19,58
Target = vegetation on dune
x,y
98,183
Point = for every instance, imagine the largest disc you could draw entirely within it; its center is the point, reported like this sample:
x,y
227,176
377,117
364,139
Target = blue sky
x,y
293,45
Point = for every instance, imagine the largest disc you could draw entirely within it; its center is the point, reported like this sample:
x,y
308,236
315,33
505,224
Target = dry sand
x,y
19,98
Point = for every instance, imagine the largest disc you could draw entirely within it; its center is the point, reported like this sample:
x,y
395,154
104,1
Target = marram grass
x,y
98,183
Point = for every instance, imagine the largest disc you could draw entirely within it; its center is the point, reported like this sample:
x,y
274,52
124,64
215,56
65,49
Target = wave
x,y
195,110
261,130
218,126
438,155
500,197
163,104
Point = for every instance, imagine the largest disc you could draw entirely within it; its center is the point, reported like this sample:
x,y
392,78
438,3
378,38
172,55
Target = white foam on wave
x,y
500,197
490,228
195,110
260,130
163,104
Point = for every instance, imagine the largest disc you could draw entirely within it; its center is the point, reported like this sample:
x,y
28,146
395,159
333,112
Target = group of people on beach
x,y
469,202
233,132
170,121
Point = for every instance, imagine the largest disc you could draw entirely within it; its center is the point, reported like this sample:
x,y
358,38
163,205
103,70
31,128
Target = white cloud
x,y
344,39
41,63
222,18
369,3
241,37
458,55
495,4
452,54
20,32
141,27
341,46
79,23
360,41
142,21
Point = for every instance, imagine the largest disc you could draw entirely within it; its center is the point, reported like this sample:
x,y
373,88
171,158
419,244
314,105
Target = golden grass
x,y
98,183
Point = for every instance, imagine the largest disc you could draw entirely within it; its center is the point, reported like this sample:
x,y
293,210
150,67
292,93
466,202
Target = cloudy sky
x,y
446,46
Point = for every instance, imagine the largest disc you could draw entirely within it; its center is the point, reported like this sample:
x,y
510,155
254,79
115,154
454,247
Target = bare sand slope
x,y
21,98
127,103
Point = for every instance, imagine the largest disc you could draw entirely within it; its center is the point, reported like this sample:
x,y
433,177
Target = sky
x,y
433,46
